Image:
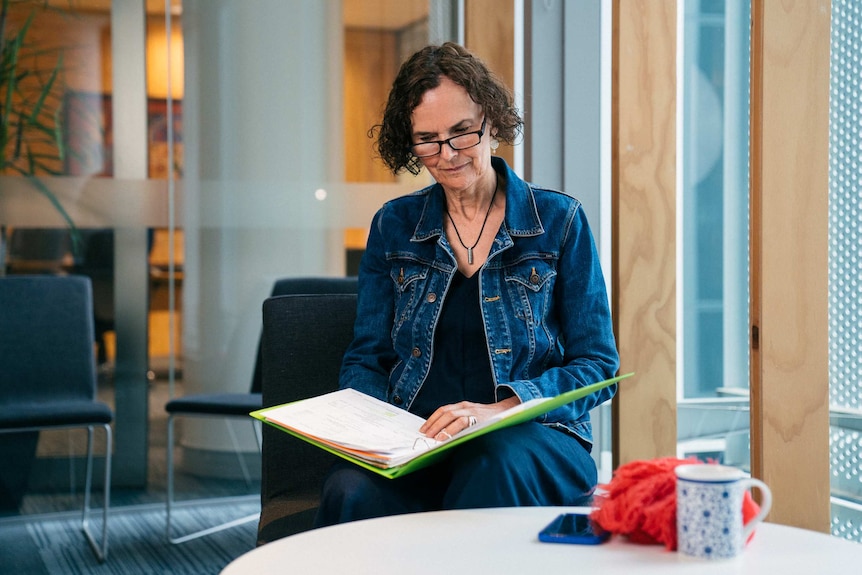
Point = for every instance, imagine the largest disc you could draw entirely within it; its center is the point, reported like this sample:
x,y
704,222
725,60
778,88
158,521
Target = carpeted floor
x,y
44,535
136,544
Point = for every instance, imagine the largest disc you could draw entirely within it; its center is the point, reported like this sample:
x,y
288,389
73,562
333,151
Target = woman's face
x,y
444,112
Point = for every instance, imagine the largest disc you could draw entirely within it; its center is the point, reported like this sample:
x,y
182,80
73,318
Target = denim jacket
x,y
542,296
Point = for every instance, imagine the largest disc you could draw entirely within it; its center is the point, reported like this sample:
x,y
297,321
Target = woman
x,y
475,294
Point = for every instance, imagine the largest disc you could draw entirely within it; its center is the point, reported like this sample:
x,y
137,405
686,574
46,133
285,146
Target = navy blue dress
x,y
526,465
461,369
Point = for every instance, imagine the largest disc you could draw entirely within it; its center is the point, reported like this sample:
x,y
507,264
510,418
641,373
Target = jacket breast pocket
x,y
407,279
531,285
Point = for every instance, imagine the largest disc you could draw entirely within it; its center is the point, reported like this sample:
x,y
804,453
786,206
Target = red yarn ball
x,y
640,502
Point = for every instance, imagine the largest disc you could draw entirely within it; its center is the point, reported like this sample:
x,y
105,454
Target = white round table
x,y
499,541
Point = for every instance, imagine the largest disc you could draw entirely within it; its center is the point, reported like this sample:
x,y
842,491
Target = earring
x,y
495,143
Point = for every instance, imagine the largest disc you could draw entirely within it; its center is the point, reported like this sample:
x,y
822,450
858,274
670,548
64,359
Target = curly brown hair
x,y
422,72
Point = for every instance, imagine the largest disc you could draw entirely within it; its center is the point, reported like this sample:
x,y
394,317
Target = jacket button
x,y
432,297
534,278
417,352
397,400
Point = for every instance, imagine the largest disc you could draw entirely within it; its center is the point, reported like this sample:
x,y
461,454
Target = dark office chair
x,y
238,405
304,339
37,251
48,370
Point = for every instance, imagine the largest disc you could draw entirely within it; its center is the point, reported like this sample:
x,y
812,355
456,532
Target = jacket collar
x,y
522,217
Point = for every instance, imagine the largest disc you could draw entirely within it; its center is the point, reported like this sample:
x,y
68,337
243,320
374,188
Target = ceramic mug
x,y
709,510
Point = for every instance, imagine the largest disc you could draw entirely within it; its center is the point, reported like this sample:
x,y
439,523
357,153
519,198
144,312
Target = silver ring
x,y
471,421
446,433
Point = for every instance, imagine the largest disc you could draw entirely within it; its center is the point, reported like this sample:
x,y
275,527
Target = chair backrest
x,y
46,339
304,340
303,285
37,250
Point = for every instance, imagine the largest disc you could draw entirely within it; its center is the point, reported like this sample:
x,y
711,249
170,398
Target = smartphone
x,y
573,528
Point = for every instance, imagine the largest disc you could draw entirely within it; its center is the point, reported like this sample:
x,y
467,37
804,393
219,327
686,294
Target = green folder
x,y
433,455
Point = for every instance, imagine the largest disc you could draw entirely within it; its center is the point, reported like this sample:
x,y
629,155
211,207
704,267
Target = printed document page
x,y
355,420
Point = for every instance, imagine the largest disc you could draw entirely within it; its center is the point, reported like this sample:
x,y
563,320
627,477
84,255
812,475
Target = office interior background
x,y
205,148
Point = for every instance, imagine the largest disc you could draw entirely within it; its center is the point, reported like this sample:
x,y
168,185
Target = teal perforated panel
x,y
845,267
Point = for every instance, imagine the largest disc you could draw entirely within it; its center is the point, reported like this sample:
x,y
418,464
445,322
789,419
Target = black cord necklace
x,y
485,221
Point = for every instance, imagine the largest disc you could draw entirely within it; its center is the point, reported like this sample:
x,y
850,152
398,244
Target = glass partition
x,y
279,178
713,418
240,156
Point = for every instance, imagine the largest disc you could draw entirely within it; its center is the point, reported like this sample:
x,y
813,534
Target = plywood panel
x,y
789,244
391,15
644,212
489,32
369,68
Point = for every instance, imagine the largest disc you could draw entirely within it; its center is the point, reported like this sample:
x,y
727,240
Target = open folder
x,y
385,439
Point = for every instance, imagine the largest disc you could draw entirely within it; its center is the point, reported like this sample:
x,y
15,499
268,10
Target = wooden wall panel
x,y
370,65
489,32
789,249
644,212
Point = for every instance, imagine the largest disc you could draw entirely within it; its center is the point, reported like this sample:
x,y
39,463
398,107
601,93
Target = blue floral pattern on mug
x,y
709,519
709,510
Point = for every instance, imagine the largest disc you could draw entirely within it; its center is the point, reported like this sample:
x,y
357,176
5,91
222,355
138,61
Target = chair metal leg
x,y
100,549
73,481
170,482
170,494
258,434
215,529
239,458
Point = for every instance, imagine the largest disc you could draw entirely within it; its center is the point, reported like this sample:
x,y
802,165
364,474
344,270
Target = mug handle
x,y
765,505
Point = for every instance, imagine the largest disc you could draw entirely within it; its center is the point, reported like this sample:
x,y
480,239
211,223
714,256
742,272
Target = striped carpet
x,y
136,542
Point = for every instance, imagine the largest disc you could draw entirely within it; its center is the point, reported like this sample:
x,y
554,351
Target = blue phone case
x,y
573,528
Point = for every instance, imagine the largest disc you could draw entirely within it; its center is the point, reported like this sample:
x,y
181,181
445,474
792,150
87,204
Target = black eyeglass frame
x,y
480,132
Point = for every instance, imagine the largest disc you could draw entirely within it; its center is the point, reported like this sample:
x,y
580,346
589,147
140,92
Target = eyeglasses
x,y
459,142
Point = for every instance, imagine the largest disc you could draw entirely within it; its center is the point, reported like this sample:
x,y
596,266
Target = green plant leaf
x,y
58,133
46,90
31,107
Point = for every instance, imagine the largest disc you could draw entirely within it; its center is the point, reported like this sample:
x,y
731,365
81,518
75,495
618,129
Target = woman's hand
x,y
454,418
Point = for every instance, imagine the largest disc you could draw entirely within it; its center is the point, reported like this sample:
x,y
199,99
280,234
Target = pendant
x,y
470,256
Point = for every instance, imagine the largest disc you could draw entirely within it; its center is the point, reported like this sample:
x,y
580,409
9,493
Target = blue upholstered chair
x,y
238,405
48,370
304,339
